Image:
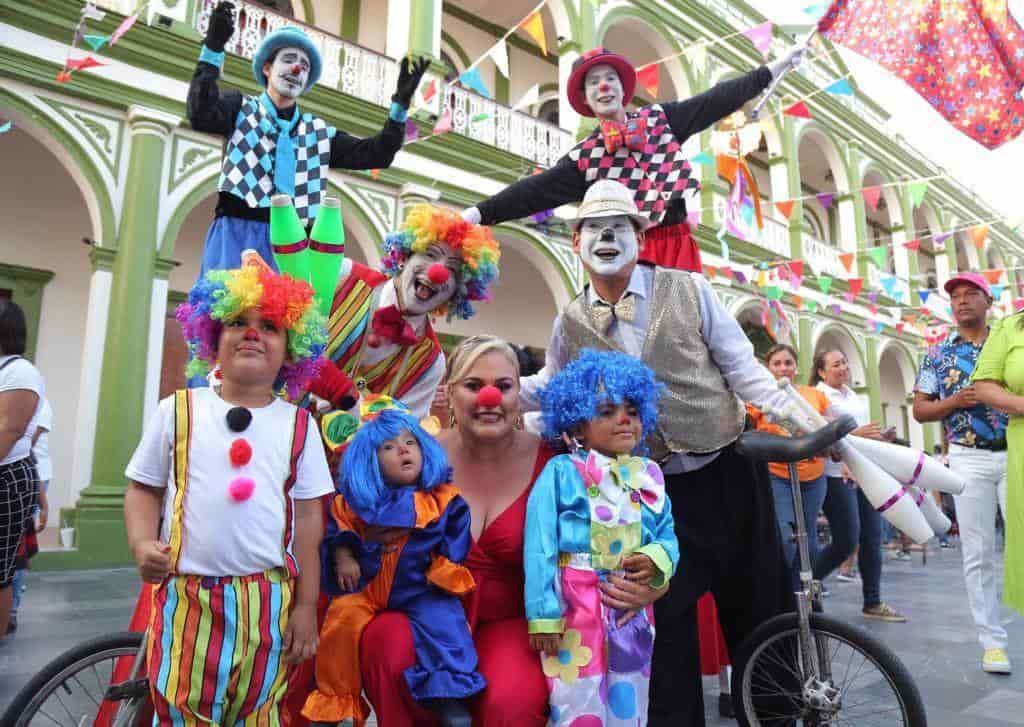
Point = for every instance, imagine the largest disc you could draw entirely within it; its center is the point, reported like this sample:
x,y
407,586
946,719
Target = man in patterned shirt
x,y
976,436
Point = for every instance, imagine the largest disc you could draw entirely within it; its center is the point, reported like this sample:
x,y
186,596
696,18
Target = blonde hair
x,y
469,351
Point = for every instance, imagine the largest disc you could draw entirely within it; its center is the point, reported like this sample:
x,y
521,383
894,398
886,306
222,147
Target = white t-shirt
x,y
41,449
222,537
21,374
844,401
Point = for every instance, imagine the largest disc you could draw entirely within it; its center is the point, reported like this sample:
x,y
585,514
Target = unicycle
x,y
98,683
804,667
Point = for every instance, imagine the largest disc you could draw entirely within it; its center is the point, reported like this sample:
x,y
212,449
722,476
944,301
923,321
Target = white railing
x,y
371,76
773,237
492,123
822,256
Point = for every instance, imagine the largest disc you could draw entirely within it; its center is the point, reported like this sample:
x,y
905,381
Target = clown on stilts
x,y
641,149
273,147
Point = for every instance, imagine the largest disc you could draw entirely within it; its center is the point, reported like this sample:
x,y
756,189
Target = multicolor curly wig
x,y
221,296
592,378
361,482
426,224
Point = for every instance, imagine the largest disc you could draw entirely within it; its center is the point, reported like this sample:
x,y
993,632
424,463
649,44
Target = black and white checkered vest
x,y
657,176
248,170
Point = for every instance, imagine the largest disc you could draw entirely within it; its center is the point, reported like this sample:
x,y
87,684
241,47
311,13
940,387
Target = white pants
x,y
985,473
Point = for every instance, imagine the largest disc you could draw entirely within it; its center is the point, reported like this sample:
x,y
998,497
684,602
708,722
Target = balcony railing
x,y
773,237
822,256
371,76
875,283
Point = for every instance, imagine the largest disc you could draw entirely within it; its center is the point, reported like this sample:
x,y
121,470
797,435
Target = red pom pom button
x,y
240,453
373,340
488,397
241,488
438,274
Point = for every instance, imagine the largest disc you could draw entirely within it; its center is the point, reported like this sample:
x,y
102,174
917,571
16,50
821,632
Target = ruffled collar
x,y
626,475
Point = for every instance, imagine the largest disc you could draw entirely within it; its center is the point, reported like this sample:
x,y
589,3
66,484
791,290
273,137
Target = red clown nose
x,y
296,69
488,397
438,274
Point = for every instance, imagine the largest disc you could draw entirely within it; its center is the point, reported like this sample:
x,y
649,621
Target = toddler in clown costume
x,y
395,475
600,509
234,472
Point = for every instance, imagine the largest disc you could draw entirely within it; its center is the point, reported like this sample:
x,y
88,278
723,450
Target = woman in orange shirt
x,y
781,361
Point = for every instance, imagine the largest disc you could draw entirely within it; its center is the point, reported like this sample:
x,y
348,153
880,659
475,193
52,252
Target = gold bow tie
x,y
604,313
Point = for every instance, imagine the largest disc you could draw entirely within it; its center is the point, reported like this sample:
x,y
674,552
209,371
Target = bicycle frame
x,y
128,709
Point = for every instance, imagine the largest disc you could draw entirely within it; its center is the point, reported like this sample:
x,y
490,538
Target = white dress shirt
x,y
729,346
843,401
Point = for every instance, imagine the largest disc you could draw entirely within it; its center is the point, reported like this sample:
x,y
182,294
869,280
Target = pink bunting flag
x,y
799,110
412,131
648,77
693,219
871,196
856,285
761,37
444,124
848,296
430,90
123,28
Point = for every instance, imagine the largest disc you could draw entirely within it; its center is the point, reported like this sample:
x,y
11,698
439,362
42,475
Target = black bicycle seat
x,y
777,448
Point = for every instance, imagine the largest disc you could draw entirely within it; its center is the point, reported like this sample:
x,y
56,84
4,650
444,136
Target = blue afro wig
x,y
592,378
361,483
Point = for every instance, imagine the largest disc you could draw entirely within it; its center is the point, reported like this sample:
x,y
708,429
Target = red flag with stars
x,y
965,57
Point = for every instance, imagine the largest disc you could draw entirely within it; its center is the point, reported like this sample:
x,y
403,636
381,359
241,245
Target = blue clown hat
x,y
287,37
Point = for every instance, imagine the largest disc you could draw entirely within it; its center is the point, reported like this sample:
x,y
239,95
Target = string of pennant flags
x,y
74,62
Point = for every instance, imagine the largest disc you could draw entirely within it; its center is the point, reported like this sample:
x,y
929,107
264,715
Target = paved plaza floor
x,y
937,644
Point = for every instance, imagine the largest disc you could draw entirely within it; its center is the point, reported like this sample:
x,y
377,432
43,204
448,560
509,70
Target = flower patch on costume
x,y
571,656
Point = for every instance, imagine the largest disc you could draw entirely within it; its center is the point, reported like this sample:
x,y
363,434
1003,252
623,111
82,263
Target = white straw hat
x,y
608,198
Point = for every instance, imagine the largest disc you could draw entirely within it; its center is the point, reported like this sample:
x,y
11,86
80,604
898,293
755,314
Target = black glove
x,y
222,26
409,80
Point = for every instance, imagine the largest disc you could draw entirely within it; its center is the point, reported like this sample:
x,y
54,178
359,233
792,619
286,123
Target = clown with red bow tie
x,y
380,339
641,149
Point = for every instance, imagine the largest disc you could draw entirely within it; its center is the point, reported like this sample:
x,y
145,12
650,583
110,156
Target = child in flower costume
x,y
600,509
395,475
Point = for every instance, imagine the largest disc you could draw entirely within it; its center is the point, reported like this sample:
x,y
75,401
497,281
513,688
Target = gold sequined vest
x,y
697,413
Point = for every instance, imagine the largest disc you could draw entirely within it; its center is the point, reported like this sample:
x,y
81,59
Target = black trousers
x,y
729,545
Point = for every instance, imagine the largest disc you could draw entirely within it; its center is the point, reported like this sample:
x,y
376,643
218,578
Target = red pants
x,y
671,246
714,652
516,693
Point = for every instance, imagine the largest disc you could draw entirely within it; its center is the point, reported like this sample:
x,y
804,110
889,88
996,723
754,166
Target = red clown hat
x,y
594,57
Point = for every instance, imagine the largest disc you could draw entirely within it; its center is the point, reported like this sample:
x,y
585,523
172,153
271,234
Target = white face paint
x,y
603,90
289,72
607,244
418,294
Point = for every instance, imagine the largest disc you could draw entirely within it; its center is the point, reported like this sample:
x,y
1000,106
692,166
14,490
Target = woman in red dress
x,y
495,464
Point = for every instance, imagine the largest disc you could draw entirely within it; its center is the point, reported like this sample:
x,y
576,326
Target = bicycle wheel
x,y
872,687
70,689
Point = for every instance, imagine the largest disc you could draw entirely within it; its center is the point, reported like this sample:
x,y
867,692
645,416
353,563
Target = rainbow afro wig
x,y
221,296
592,378
425,225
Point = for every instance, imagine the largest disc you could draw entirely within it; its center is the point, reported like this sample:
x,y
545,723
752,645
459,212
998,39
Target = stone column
x,y
873,381
860,218
122,387
793,188
805,343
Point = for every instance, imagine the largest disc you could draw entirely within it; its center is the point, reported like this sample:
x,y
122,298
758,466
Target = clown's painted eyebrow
x,y
438,251
293,57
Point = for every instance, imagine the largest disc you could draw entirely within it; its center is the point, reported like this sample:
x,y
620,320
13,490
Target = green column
x,y
425,28
911,233
805,342
859,212
873,380
100,516
793,188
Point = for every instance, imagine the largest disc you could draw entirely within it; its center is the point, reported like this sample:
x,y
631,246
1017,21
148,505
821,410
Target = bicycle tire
x,y
884,659
39,688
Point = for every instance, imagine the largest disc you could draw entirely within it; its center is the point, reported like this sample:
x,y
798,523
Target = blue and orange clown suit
x,y
422,577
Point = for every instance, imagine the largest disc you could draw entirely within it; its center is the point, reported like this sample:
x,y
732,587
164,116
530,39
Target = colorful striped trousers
x,y
214,654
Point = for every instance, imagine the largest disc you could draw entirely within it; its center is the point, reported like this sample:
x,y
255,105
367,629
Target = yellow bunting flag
x,y
534,25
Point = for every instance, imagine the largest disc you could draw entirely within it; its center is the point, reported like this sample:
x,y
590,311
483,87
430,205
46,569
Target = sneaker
x,y
12,625
996,661
884,612
850,577
725,706
901,555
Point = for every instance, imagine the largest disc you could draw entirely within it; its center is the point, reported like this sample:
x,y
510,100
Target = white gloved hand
x,y
788,62
471,215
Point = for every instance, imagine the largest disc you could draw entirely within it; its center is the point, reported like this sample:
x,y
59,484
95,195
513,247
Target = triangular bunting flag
x,y
798,302
123,28
375,173
873,297
444,124
997,291
812,305
824,283
916,192
740,276
710,271
841,87
846,259
871,196
912,245
542,216
797,266
825,200
471,79
412,132
941,237
796,281
482,116
761,37
529,98
848,296
993,276
900,325
499,54
773,292
799,110
1018,304
726,271
836,309
856,284
96,41
923,295
648,76
702,158
90,12
888,284
697,56
978,235
878,255
4,128
786,208
898,295
81,64
879,326
429,90
534,25
693,219
63,77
